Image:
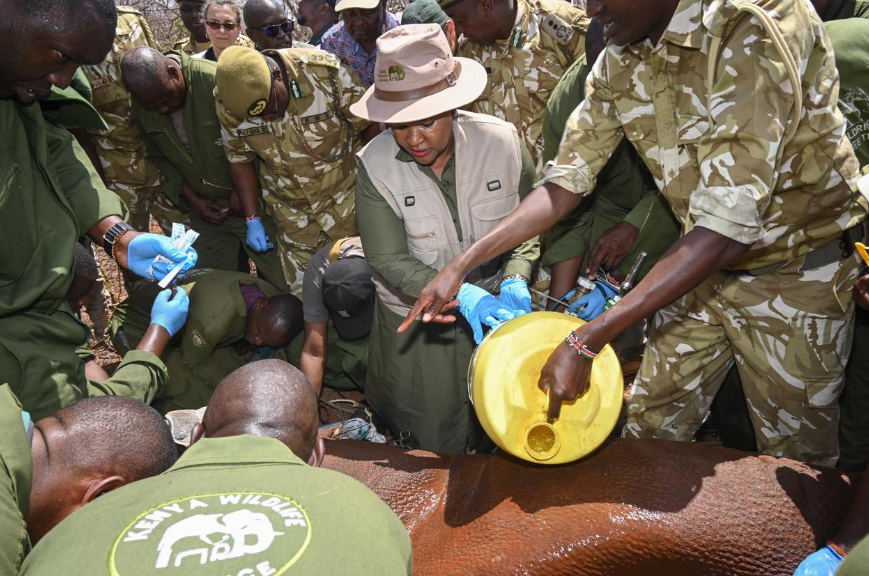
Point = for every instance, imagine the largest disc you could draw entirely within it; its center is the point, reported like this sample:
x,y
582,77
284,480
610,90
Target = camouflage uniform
x,y
129,173
190,46
735,157
308,164
549,35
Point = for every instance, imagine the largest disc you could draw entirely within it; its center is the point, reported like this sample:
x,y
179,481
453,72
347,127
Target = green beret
x,y
424,12
244,81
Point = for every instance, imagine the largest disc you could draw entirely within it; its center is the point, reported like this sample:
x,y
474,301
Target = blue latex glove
x,y
170,314
515,296
479,307
145,247
591,305
256,236
824,562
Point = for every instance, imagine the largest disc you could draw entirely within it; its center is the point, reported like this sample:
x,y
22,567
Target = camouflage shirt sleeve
x,y
237,150
751,105
591,136
352,90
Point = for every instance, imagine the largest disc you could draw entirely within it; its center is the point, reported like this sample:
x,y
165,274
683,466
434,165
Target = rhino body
x,y
634,508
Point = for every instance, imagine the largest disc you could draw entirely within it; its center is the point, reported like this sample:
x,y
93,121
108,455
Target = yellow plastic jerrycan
x,y
502,384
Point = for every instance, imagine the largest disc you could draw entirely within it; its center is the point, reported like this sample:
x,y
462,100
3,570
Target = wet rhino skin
x,y
634,508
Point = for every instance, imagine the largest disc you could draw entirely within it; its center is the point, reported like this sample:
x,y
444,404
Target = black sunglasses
x,y
271,31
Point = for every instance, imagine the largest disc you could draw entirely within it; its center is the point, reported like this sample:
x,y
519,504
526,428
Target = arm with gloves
x,y
479,307
591,305
244,179
136,251
142,374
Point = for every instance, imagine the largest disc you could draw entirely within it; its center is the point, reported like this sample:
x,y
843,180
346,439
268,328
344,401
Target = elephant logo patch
x,y
232,533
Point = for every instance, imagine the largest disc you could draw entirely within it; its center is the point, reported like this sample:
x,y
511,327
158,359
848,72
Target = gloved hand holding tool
x,y
479,307
256,235
144,248
591,305
515,295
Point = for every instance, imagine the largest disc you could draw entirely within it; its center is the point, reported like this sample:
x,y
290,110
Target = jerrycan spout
x,y
542,441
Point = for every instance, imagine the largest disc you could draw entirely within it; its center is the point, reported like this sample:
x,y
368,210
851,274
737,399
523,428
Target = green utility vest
x,y
204,167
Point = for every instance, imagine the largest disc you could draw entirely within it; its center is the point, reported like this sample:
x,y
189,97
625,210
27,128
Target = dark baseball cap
x,y
424,12
348,293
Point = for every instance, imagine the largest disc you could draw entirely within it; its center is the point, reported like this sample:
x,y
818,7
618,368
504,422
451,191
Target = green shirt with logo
x,y
237,506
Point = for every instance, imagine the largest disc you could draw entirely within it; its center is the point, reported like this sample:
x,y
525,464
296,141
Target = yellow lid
x,y
502,384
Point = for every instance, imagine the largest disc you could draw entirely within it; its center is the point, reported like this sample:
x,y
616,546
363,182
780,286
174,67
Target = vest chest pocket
x,y
422,239
486,213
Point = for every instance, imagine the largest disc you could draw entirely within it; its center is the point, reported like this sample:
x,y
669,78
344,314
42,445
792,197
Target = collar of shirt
x,y
686,27
447,176
523,28
318,37
244,450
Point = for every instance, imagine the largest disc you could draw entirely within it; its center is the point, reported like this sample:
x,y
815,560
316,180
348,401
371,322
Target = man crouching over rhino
x,y
245,499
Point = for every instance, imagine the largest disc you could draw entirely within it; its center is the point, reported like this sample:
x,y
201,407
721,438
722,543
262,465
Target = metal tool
x,y
548,297
628,283
632,275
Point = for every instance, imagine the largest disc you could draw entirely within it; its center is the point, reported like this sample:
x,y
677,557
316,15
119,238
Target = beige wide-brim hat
x,y
416,77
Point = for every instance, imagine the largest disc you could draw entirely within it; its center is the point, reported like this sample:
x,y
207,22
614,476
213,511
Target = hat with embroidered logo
x,y
244,82
416,77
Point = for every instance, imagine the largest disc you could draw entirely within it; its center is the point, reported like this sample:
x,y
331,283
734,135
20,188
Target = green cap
x,y
244,81
444,4
424,12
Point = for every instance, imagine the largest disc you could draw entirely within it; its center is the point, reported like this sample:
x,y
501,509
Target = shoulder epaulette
x,y
129,10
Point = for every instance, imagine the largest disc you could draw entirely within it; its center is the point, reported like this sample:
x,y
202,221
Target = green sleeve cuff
x,y
637,217
523,258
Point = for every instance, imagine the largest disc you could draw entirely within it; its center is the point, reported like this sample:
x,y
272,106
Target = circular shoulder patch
x,y
257,107
239,533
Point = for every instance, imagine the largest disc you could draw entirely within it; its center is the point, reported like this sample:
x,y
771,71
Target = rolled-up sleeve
x,y
751,103
592,134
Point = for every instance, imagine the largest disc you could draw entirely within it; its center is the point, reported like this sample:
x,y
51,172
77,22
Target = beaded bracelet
x,y
580,347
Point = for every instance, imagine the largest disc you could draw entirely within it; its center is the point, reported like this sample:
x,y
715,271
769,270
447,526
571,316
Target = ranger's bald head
x,y
155,81
267,398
